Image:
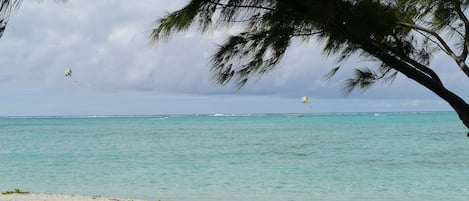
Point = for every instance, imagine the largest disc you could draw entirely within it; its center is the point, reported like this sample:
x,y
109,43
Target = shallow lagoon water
x,y
337,157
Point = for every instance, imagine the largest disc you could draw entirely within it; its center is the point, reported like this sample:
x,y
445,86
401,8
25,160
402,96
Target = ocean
x,y
275,157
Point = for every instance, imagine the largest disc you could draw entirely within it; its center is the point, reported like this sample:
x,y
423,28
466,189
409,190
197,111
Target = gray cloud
x,y
106,44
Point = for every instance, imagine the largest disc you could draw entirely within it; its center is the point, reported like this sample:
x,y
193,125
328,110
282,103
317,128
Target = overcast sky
x,y
117,72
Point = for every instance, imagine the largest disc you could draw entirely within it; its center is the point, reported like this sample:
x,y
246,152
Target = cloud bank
x,y
107,45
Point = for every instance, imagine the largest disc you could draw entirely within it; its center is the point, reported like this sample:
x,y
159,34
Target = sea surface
x,y
330,157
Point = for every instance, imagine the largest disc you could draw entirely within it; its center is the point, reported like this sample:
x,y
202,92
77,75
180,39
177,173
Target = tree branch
x,y
416,64
463,17
443,43
240,6
433,41
446,47
422,68
307,34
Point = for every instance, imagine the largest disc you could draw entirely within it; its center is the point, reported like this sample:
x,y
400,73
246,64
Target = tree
x,y
402,35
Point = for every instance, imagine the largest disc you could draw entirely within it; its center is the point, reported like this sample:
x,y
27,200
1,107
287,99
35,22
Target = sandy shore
x,y
57,197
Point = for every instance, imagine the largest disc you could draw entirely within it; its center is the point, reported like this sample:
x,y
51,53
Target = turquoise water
x,y
419,156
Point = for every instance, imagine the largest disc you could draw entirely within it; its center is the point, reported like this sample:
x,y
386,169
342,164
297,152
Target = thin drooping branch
x,y
240,6
457,5
429,38
443,43
452,28
244,20
307,34
461,63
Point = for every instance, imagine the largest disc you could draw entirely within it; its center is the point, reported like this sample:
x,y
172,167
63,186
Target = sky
x,y
117,71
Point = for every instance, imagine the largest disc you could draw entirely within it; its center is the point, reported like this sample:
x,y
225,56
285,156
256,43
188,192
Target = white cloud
x,y
414,103
106,44
123,35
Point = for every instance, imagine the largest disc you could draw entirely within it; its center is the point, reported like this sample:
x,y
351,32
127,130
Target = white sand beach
x,y
57,197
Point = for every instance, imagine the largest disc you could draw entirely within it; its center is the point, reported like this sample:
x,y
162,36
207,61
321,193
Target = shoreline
x,y
57,197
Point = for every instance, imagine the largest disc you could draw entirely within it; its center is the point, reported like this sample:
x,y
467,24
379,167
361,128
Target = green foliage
x,y
16,191
404,29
